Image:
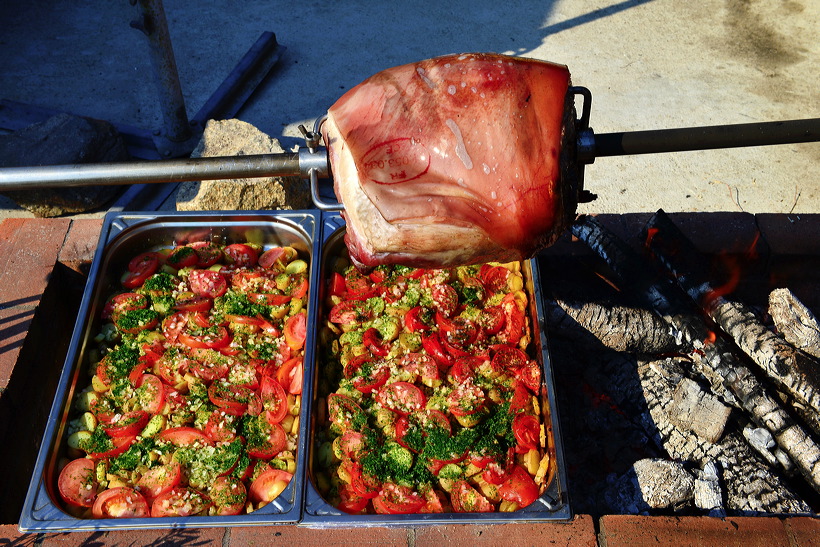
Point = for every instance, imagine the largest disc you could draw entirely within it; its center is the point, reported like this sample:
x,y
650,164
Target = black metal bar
x,y
707,138
178,170
240,84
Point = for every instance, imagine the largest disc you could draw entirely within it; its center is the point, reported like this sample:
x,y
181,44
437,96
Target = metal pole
x,y
178,170
706,138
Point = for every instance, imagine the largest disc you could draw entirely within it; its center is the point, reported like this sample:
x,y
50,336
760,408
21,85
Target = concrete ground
x,y
650,64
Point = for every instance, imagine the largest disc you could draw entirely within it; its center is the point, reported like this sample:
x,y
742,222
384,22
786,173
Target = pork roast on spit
x,y
455,160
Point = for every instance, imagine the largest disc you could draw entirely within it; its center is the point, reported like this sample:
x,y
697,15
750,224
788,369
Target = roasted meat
x,y
454,160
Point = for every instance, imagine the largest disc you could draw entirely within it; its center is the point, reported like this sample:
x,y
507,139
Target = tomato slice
x,y
171,368
414,320
492,319
395,499
296,331
150,393
241,255
432,344
159,480
466,499
207,283
219,427
344,412
269,258
496,279
124,302
527,430
231,398
508,357
207,253
208,365
269,485
458,331
77,482
140,268
195,303
465,399
182,257
125,425
184,436
352,444
363,484
229,495
372,340
463,369
290,375
351,502
180,502
118,503
218,337
348,312
367,376
514,323
337,284
274,400
445,299
519,488
298,286
269,299
121,444
402,397
530,374
173,325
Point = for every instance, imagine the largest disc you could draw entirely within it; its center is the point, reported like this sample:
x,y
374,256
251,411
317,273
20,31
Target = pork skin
x,y
454,160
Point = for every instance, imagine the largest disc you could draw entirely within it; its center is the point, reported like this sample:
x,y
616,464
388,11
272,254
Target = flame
x,y
650,234
599,399
710,338
735,266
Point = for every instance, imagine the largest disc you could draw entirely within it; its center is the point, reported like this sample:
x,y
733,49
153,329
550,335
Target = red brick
x,y
28,252
80,243
293,536
170,538
579,531
803,531
635,531
10,535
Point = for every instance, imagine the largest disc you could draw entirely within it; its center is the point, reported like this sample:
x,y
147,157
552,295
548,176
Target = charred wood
x,y
794,321
793,371
713,356
617,327
751,484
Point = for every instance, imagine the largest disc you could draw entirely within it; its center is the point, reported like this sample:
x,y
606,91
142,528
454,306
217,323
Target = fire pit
x,y
650,427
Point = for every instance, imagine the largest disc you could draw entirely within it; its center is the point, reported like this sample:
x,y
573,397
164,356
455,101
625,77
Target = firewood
x,y
698,411
620,328
795,321
751,483
714,356
793,371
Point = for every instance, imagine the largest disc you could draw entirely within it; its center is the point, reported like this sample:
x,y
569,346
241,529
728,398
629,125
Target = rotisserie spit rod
x,y
590,146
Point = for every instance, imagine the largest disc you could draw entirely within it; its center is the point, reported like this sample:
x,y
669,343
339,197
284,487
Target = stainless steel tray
x,y
123,236
552,505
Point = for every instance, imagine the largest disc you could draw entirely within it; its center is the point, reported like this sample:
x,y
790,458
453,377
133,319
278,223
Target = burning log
x,y
620,328
793,371
750,480
715,358
794,321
